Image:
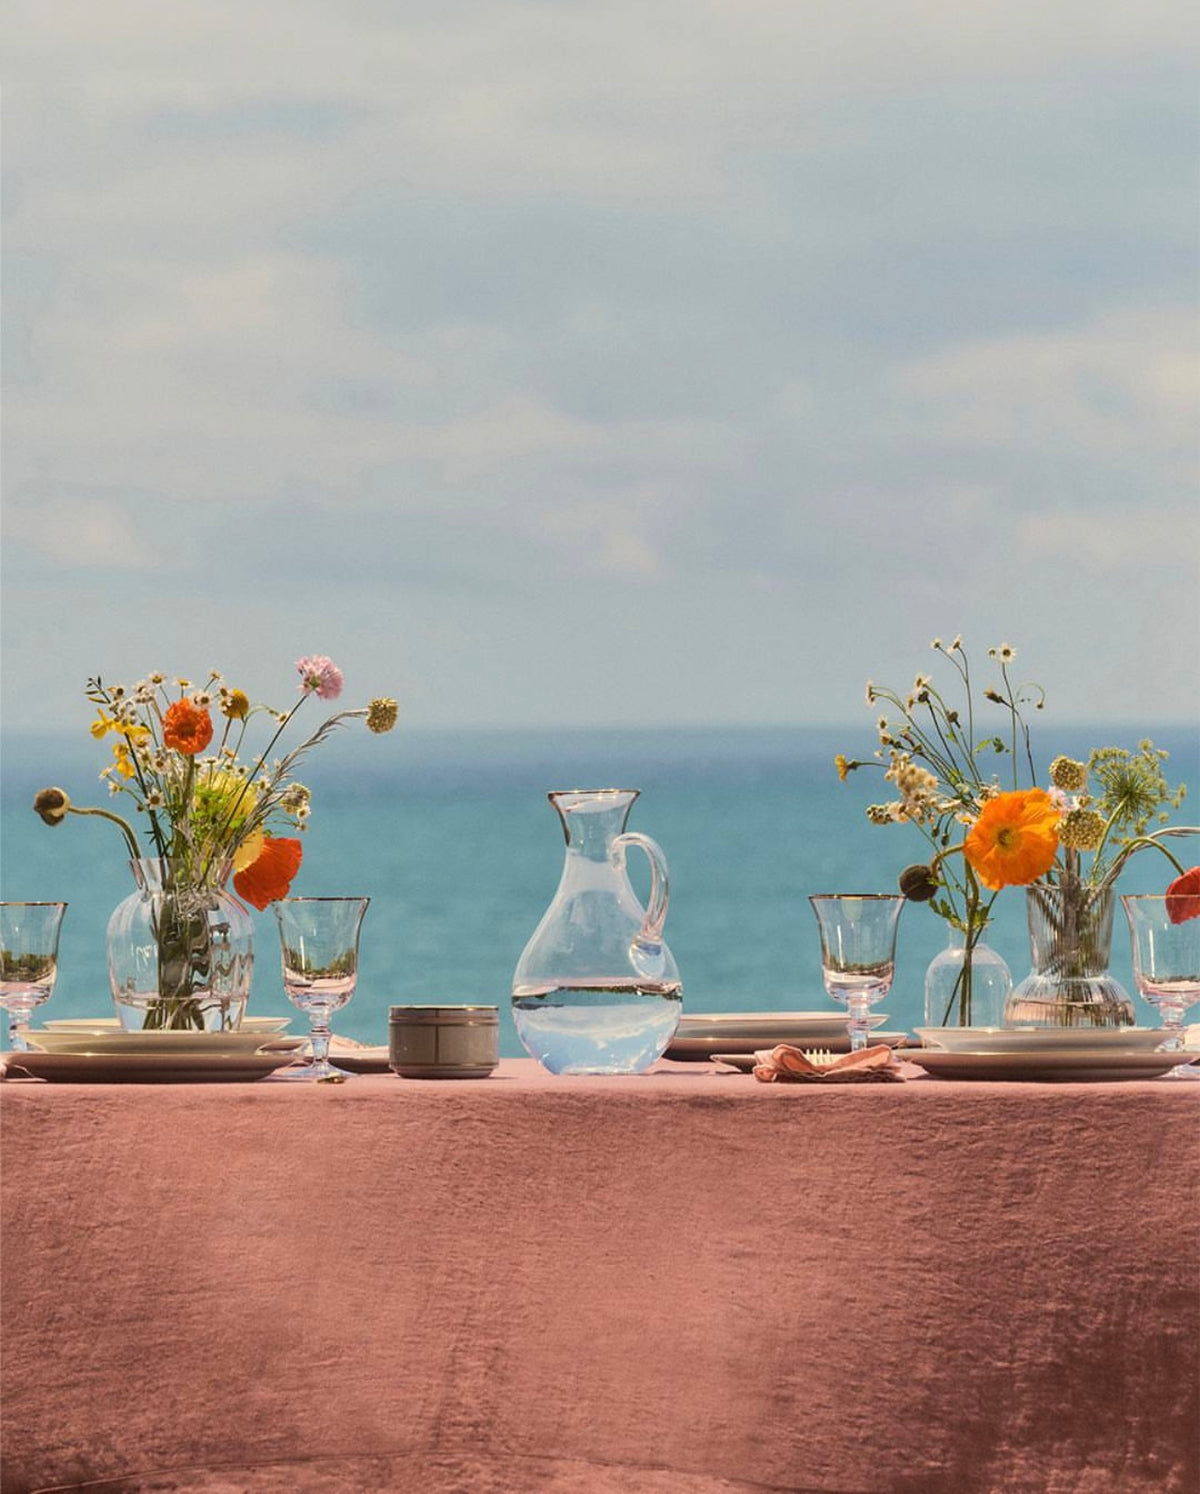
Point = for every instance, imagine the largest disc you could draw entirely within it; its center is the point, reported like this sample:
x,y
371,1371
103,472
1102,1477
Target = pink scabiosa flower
x,y
320,676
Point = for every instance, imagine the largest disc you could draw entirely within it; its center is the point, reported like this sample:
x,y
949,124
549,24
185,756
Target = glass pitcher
x,y
596,990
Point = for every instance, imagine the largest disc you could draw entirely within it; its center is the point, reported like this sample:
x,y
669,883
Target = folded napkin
x,y
787,1065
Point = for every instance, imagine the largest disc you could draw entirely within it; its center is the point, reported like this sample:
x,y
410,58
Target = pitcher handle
x,y
650,933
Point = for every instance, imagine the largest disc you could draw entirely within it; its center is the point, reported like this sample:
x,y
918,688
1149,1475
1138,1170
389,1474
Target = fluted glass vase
x,y
1070,943
180,950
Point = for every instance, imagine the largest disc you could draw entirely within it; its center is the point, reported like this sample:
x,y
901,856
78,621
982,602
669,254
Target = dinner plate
x,y
761,1024
1041,1039
695,1049
112,1040
701,1034
143,1068
1075,1066
359,1060
113,1024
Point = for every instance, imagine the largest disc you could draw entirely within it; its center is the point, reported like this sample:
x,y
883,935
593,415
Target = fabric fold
x,y
785,1064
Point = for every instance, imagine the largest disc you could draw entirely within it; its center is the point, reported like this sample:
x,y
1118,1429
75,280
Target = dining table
x,y
684,1280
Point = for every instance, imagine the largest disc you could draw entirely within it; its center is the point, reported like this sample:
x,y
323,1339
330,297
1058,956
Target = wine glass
x,y
1166,968
858,953
28,962
318,939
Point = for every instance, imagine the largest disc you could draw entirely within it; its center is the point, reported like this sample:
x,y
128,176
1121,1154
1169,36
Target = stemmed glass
x,y
858,953
1166,968
28,962
318,939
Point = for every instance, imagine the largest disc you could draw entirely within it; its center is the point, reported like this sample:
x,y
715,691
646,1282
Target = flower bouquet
x,y
1100,812
986,837
180,949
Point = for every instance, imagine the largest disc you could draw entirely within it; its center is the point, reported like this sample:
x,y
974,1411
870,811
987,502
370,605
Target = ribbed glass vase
x,y
1070,943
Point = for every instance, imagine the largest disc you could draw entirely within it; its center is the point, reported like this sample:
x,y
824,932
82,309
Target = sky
x,y
628,362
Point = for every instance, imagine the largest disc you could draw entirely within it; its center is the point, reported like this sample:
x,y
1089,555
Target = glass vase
x,y
180,951
962,992
1070,942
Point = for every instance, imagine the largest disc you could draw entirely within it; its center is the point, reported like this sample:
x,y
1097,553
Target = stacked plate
x,y
100,1051
1071,1054
701,1035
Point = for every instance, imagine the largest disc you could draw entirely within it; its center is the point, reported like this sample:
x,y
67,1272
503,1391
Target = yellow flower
x,y
124,760
223,802
249,851
235,705
102,725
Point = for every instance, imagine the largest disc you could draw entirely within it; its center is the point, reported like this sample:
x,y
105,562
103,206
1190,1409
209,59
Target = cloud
x,y
81,533
1128,382
465,306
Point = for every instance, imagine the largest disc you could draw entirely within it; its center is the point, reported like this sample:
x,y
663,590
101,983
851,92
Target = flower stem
x,y
130,839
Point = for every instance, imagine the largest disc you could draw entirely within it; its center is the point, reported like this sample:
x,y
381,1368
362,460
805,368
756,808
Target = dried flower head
x,y
382,715
52,804
295,798
1069,775
1133,785
1081,830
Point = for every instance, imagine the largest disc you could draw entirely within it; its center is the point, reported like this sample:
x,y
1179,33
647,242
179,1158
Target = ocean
x,y
451,836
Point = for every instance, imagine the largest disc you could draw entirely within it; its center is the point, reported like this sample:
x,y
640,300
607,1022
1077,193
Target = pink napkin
x,y
787,1065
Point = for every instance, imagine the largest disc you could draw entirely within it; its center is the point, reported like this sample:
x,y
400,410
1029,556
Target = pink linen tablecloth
x,y
686,1281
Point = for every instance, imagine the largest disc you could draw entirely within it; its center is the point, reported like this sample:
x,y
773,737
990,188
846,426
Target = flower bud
x,y
919,883
52,804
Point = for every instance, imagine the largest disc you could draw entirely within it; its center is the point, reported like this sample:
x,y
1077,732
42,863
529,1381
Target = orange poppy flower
x,y
1014,840
1183,897
269,877
187,728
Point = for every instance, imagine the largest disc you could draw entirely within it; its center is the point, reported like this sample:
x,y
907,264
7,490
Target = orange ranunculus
x,y
269,877
1015,839
1183,897
187,728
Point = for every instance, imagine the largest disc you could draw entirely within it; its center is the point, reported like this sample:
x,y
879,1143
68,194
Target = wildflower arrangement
x,y
177,753
946,766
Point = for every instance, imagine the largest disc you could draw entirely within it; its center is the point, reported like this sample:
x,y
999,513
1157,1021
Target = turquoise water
x,y
452,838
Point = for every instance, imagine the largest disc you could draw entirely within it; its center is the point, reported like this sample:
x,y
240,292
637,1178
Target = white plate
x,y
359,1060
112,1040
761,1024
701,1034
1041,1039
1074,1067
112,1024
143,1068
837,1040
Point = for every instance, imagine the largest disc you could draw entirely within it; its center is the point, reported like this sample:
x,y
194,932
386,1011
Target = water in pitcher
x,y
610,1028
